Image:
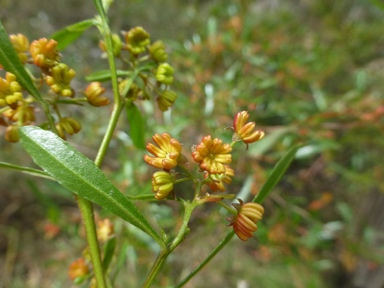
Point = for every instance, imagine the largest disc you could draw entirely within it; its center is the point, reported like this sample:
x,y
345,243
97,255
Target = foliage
x,y
309,73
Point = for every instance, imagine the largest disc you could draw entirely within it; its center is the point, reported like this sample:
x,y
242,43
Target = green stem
x,y
228,208
144,197
86,206
156,267
189,207
86,209
118,103
27,170
184,230
206,260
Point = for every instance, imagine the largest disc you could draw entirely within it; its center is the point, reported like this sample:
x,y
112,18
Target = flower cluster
x,y
21,45
60,79
18,108
212,155
245,131
150,59
10,91
67,125
166,154
213,158
44,53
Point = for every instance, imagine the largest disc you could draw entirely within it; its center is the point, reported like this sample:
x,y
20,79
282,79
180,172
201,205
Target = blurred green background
x,y
309,72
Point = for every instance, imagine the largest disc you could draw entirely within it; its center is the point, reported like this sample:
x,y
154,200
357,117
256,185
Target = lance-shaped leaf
x,y
80,175
277,173
11,63
67,35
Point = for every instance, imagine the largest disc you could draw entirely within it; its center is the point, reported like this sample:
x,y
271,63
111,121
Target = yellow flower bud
x,y
164,73
20,44
12,134
68,126
137,40
244,131
162,184
157,52
22,113
10,91
44,53
94,93
244,223
166,155
60,79
166,100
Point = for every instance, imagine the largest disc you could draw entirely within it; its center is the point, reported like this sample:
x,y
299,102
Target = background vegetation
x,y
307,71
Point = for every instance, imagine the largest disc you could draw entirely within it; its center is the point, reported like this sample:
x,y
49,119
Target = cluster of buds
x,y
150,59
10,91
21,45
13,118
18,109
67,125
44,53
60,79
213,158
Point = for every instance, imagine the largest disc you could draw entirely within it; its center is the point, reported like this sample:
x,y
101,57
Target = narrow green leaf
x,y
67,35
80,175
136,125
109,251
12,64
106,75
277,172
27,170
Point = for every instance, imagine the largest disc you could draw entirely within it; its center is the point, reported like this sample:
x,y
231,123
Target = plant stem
x,y
27,170
189,207
144,197
85,206
86,209
228,208
156,267
206,260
